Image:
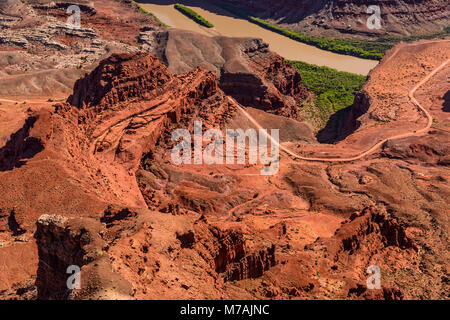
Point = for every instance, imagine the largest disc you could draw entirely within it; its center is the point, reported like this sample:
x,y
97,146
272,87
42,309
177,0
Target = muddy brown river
x,y
228,25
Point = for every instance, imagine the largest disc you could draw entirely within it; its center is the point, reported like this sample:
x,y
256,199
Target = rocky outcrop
x,y
354,233
360,106
130,78
11,8
365,239
73,248
118,79
12,40
432,150
272,85
86,6
135,89
227,252
245,68
54,54
252,265
45,35
233,259
118,113
231,248
60,246
371,221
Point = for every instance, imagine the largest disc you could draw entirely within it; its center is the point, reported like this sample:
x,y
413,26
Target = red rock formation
x,y
118,79
252,265
273,85
142,228
72,242
87,139
369,222
60,246
233,259
245,67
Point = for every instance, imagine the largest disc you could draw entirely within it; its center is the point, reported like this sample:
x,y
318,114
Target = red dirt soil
x,y
88,181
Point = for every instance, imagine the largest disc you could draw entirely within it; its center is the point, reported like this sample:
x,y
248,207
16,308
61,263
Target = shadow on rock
x,y
19,147
446,105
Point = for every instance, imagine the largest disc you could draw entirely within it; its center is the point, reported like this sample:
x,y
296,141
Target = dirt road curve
x,y
380,143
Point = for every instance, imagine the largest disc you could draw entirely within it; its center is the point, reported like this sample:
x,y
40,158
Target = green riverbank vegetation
x,y
193,15
335,90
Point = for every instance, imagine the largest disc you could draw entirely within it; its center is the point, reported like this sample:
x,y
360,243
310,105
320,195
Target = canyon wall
x,y
337,18
246,69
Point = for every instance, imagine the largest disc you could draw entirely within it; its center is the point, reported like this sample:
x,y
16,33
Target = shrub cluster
x,y
193,15
335,90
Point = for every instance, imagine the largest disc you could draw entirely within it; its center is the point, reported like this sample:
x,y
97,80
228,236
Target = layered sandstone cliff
x,y
246,69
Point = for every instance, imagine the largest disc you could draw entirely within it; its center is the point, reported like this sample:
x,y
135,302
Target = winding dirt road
x,y
377,145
